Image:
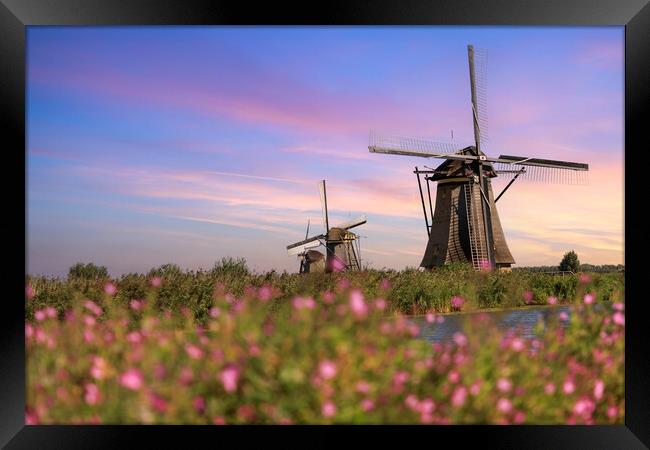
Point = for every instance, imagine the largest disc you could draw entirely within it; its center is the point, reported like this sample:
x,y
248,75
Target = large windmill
x,y
465,226
342,247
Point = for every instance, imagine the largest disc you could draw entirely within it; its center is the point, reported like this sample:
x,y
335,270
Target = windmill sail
x,y
542,170
300,247
323,204
353,223
414,146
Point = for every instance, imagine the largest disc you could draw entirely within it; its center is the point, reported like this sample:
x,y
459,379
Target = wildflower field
x,y
230,347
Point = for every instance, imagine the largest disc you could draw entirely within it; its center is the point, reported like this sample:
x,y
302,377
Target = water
x,y
523,320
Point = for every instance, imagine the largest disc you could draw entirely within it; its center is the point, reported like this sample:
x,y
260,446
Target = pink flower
x,y
563,316
384,284
31,418
485,264
327,369
29,331
134,337
306,303
328,297
186,376
89,320
367,405
363,387
199,404
427,406
29,292
599,388
136,305
229,377
92,307
568,387
457,302
412,402
265,293
552,300
549,388
158,403
194,351
458,397
132,379
440,319
88,336
50,312
110,288
519,418
309,303
619,318
430,317
39,315
612,411
214,312
380,304
504,385
583,407
98,369
517,344
329,409
218,420
156,281
453,377
618,306
91,393
528,296
588,299
400,378
584,278
504,405
357,304
460,339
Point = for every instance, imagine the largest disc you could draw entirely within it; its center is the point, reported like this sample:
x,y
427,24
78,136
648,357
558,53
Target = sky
x,y
154,145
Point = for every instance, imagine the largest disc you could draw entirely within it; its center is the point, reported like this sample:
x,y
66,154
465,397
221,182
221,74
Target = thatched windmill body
x,y
465,225
342,246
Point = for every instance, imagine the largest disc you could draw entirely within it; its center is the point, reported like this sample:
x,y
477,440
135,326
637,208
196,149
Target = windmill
x,y
342,247
465,225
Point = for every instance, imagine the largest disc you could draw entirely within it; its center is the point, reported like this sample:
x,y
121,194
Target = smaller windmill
x,y
342,247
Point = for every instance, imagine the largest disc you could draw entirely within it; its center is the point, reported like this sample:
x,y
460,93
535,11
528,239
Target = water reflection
x,y
523,320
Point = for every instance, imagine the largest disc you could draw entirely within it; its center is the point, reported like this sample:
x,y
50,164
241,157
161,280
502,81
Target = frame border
x,y
16,15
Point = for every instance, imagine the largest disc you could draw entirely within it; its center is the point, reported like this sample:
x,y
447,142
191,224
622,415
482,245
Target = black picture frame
x,y
16,15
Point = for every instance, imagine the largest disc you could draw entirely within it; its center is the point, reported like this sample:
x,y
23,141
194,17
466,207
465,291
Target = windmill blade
x,y
541,170
415,146
525,161
307,233
477,59
304,245
323,204
353,223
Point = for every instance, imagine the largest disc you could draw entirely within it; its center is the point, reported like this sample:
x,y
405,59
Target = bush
x,y
87,272
570,262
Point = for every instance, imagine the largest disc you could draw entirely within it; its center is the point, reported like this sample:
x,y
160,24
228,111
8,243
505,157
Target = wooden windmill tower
x,y
465,225
342,247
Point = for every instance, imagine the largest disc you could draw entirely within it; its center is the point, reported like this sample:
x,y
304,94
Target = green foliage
x,y
570,262
412,291
493,292
87,272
